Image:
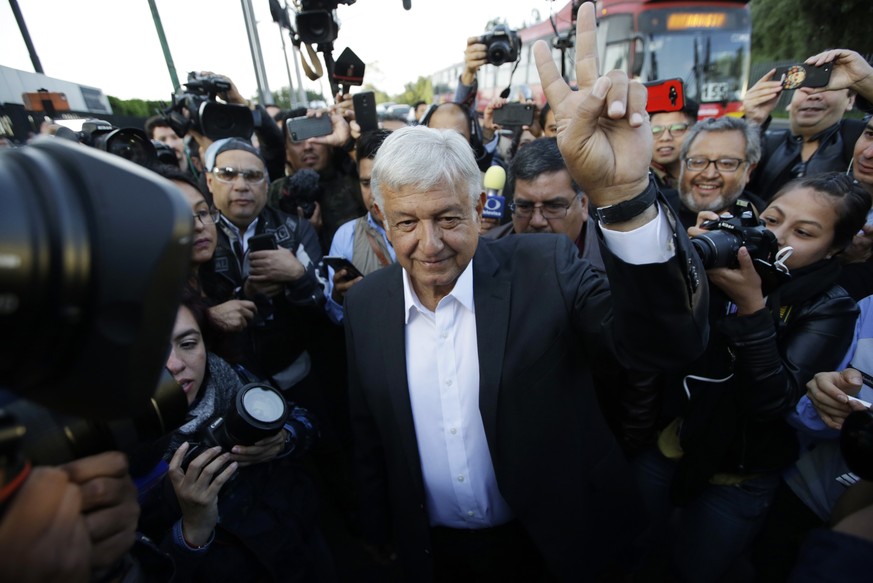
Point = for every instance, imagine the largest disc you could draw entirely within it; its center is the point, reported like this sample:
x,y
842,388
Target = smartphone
x,y
666,95
802,75
303,127
263,242
365,111
337,263
514,114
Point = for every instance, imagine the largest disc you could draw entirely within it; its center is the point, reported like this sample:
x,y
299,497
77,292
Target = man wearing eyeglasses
x,y
266,256
717,159
548,200
669,129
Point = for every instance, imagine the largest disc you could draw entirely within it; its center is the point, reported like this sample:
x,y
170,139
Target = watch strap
x,y
628,209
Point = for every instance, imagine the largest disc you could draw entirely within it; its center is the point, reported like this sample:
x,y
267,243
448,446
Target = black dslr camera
x,y
129,143
503,45
719,246
257,412
197,110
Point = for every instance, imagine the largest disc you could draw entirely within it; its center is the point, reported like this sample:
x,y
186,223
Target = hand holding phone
x,y
337,263
302,128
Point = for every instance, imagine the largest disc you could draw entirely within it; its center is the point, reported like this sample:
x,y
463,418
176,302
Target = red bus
x,y
705,43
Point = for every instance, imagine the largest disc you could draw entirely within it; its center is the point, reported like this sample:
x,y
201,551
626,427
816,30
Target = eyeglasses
x,y
722,164
675,129
209,217
550,210
229,175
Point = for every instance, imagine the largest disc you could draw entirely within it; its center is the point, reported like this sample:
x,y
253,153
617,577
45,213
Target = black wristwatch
x,y
628,209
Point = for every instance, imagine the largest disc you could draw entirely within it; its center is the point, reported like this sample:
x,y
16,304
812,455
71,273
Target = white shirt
x,y
442,370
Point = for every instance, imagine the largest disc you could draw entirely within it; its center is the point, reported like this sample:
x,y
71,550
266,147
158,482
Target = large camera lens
x,y
499,52
717,248
223,120
94,253
129,143
259,412
316,26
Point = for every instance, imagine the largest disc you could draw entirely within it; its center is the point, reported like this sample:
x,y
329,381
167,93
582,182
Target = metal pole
x,y
301,92
264,95
19,18
287,68
164,46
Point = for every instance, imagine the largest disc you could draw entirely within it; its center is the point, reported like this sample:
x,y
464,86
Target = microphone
x,y
494,181
301,190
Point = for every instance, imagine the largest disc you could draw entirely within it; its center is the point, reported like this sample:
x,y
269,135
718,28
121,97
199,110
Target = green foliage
x,y
791,30
420,90
134,107
381,96
284,100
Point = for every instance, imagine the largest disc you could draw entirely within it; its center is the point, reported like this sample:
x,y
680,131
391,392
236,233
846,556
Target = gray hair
x,y
726,124
426,158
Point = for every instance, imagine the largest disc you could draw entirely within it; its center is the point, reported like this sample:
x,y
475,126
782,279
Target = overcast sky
x,y
113,44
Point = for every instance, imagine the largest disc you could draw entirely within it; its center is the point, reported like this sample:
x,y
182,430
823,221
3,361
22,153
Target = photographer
x,y
248,513
270,142
723,439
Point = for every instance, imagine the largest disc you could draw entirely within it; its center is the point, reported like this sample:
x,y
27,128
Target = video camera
x,y
94,254
197,110
316,23
129,143
257,412
503,45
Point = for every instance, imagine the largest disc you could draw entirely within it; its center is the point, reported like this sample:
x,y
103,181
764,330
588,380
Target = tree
x,y
790,30
420,90
134,107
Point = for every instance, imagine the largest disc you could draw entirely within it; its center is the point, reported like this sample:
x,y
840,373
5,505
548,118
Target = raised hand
x,y
603,129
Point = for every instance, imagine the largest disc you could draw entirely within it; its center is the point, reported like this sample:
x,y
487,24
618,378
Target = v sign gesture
x,y
603,129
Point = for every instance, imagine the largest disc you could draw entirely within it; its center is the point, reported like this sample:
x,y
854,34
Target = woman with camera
x,y
224,511
723,441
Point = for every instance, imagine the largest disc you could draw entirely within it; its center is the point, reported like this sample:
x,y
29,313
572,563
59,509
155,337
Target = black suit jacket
x,y
544,318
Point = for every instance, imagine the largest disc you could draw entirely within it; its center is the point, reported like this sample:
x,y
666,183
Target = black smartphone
x,y
365,111
514,114
803,75
303,127
337,263
664,96
263,242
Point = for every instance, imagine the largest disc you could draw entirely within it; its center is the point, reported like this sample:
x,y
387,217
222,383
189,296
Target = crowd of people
x,y
572,392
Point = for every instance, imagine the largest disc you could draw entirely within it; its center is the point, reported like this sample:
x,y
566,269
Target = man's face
x,y
711,189
365,171
811,113
667,145
435,234
168,136
550,192
450,117
307,154
240,200
551,129
862,160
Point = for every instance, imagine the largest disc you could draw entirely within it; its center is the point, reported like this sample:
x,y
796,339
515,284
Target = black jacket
x,y
780,155
279,332
736,426
543,318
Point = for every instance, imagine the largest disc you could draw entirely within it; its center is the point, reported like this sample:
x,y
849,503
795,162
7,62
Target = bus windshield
x,y
713,63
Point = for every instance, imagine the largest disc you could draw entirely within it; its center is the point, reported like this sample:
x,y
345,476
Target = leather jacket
x,y
780,155
732,401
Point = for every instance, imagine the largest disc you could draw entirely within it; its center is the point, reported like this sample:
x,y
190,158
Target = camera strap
x,y
315,71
